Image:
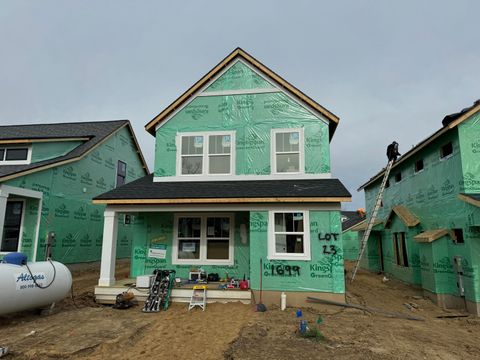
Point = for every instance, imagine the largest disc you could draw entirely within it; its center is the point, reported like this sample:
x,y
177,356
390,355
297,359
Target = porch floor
x,y
180,293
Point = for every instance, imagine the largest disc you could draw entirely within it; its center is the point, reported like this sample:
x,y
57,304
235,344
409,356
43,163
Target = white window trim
x,y
205,155
203,240
272,254
22,223
17,162
273,152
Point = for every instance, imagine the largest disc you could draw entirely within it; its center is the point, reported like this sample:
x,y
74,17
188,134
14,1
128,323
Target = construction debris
x,y
366,308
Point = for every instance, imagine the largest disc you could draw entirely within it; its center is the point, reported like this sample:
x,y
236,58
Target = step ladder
x,y
372,218
199,297
160,290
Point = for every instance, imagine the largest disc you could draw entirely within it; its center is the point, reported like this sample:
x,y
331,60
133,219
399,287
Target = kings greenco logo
x,y
96,216
101,183
80,213
62,212
96,158
432,193
69,241
469,182
196,111
69,173
85,241
86,179
275,106
420,197
447,188
109,163
258,223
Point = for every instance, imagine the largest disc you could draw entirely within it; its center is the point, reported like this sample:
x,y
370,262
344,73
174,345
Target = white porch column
x,y
109,248
3,209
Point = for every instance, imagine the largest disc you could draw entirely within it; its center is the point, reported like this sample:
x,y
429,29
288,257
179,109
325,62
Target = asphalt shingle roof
x,y
353,218
146,188
96,131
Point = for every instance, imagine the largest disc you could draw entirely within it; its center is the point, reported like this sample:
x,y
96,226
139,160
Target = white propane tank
x,y
18,291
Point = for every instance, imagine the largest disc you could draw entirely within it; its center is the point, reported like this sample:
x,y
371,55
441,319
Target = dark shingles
x,y
146,188
96,131
353,218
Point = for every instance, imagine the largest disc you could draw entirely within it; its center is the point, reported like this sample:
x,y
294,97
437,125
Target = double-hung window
x,y
15,155
287,151
289,235
203,239
209,153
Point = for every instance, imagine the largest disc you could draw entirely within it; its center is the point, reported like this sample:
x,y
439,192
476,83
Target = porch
x,y
182,293
20,214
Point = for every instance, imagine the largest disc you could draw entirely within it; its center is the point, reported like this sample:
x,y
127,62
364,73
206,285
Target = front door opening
x,y
12,226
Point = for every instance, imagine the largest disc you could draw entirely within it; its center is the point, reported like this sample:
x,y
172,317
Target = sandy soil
x,y
84,329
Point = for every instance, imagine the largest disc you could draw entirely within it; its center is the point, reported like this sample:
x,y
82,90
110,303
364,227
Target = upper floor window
x,y
446,150
15,155
418,165
205,153
121,173
287,151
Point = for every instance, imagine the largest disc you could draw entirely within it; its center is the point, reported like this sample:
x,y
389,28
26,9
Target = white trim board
x,y
202,89
221,208
240,92
22,224
281,176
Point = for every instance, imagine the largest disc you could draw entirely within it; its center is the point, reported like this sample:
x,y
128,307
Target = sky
x,y
391,70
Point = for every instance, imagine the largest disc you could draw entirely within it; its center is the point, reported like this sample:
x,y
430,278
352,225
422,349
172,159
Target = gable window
x,y
398,177
289,235
203,239
387,184
287,151
418,166
446,150
400,248
206,153
15,155
121,173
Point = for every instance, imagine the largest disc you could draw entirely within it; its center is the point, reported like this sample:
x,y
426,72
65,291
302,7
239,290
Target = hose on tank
x,y
35,281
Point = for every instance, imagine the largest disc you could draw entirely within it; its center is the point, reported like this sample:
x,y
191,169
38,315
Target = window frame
x,y
444,157
415,170
27,161
125,177
272,254
398,174
205,155
203,240
458,233
301,150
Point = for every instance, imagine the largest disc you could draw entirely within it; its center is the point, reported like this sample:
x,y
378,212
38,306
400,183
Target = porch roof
x,y
146,191
431,235
473,199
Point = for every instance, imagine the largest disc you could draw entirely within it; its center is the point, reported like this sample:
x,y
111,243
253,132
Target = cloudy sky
x,y
389,70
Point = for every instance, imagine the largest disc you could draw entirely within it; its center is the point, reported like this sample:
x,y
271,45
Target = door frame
x,y
22,223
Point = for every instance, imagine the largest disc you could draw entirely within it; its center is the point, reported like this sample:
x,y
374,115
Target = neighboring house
x,y
242,187
431,231
350,239
49,174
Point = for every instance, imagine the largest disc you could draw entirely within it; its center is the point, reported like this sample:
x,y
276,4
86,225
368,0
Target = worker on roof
x,y
392,151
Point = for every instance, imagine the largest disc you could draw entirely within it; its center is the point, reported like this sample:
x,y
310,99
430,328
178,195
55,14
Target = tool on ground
x,y
372,218
260,306
199,297
124,300
159,294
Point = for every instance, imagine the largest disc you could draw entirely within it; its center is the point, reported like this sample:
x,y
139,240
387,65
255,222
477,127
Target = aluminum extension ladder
x,y
371,221
199,297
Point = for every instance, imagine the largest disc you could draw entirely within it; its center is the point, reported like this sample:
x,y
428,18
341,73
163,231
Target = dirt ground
x,y
84,329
